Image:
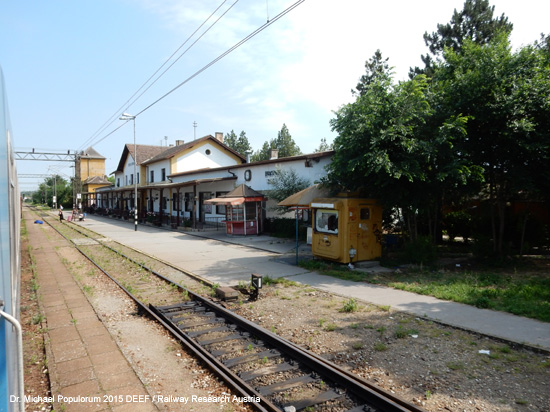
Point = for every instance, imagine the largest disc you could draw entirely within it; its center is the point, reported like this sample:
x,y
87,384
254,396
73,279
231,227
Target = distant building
x,y
92,173
174,182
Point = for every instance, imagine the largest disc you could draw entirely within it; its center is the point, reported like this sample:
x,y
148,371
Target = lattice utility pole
x,y
57,157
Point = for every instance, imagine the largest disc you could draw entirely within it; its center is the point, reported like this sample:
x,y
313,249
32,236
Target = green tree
x,y
391,147
240,144
374,67
324,146
474,23
263,153
45,192
230,139
505,94
283,143
285,183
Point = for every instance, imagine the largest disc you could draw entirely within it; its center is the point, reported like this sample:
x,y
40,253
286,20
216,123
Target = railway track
x,y
267,372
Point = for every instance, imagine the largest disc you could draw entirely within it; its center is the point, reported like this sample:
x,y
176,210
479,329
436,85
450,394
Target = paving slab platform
x,y
88,372
227,259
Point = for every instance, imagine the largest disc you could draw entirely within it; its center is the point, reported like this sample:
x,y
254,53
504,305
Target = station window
x,y
326,220
189,202
152,179
163,172
365,213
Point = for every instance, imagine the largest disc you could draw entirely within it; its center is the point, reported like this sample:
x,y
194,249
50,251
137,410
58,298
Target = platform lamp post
x,y
126,116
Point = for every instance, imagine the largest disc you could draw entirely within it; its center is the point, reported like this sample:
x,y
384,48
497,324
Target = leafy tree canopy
x,y
505,94
481,121
285,183
240,144
388,148
474,23
324,146
283,143
374,67
54,185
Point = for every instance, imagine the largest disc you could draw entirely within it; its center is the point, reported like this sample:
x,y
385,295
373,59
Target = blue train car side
x,y
11,356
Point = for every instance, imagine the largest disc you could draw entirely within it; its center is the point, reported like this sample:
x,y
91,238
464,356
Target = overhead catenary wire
x,y
217,59
126,105
224,54
206,31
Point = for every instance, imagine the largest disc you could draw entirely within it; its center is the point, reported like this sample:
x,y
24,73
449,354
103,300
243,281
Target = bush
x,y
483,248
421,251
286,228
458,224
350,305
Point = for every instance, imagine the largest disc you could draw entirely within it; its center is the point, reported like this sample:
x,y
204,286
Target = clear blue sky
x,y
70,66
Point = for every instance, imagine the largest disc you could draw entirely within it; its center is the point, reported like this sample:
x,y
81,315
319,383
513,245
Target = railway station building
x,y
91,166
174,183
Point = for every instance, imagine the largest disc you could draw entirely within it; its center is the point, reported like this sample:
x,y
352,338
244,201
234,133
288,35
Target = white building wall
x,y
260,174
157,169
259,177
206,156
224,166
128,171
119,175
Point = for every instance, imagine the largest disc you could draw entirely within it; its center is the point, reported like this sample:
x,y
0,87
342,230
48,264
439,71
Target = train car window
x,y
326,220
365,213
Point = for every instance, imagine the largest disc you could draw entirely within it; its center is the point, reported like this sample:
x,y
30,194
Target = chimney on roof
x,y
274,154
179,142
219,136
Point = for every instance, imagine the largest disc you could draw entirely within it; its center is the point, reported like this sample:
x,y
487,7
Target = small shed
x,y
243,212
347,229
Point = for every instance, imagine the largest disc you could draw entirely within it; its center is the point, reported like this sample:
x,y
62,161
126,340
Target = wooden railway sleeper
x,y
201,332
356,385
307,402
285,385
251,357
268,370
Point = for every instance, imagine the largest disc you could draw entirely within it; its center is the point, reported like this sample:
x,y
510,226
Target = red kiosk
x,y
243,212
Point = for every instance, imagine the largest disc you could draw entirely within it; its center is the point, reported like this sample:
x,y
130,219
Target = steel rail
x,y
234,382
369,393
184,271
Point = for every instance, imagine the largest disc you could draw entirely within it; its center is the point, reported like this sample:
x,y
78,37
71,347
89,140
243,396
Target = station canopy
x,y
241,194
303,198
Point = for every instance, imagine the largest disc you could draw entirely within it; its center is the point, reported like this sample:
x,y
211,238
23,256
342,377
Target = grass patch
x,y
88,289
358,345
455,366
402,333
521,287
268,280
37,319
333,269
331,327
350,305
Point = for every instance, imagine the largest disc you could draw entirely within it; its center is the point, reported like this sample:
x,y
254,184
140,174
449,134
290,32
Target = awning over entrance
x,y
233,201
238,196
